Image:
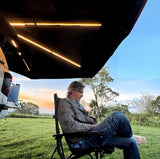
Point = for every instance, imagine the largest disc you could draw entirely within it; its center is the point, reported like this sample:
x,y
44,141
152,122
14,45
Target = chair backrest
x,y
56,101
57,125
58,136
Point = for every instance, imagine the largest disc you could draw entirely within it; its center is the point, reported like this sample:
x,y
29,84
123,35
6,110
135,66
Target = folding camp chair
x,y
75,152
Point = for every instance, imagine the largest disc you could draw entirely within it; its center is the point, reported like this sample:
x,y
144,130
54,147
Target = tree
x,y
99,85
155,106
28,108
95,111
144,103
92,103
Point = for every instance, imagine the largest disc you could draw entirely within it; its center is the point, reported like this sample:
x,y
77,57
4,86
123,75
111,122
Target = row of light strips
x,y
17,24
48,50
44,48
56,24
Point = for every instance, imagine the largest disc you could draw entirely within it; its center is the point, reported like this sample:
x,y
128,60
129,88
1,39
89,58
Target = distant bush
x,y
28,108
18,115
144,119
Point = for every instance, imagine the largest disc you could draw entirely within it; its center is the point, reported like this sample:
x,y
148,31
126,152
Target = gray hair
x,y
74,86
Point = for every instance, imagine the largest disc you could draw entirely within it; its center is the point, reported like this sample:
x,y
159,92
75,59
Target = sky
x,y
134,66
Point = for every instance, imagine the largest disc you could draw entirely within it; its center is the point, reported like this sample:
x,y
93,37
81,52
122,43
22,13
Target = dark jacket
x,y
72,118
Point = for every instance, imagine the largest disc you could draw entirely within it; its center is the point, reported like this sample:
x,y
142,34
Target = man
x,y
116,127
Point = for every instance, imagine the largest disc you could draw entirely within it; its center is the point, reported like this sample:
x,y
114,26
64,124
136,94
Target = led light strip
x,y
20,54
21,24
57,24
49,51
14,43
26,64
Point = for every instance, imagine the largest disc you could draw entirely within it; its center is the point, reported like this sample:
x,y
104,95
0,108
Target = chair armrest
x,y
79,134
58,135
84,134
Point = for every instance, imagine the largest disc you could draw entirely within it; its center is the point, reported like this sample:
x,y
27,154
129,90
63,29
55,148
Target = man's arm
x,y
69,121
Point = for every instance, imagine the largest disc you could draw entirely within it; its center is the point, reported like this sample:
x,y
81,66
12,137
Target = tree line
x,y
28,108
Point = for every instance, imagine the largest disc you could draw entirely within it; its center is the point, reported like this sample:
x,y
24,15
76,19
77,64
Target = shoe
x,y
140,139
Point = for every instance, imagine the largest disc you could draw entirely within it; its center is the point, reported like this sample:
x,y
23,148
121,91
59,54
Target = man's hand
x,y
94,125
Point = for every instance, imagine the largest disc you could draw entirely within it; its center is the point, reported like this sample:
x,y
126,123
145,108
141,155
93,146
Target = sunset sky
x,y
134,66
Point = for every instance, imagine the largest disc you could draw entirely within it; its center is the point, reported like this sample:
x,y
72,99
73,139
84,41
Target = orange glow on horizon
x,y
44,97
41,102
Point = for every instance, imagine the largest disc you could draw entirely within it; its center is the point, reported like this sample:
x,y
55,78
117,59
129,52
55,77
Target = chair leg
x,y
90,156
60,149
69,156
101,155
96,154
54,152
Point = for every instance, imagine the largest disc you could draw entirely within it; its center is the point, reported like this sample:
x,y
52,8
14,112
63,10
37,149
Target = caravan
x,y
8,91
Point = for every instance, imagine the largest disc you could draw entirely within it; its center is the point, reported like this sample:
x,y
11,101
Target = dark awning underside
x,y
88,46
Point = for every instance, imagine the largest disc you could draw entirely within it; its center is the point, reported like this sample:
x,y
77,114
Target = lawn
x,y
31,138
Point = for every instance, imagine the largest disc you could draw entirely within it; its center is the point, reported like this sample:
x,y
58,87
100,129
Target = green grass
x,y
26,138
31,138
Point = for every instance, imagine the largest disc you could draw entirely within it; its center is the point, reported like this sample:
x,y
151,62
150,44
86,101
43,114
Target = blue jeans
x,y
118,133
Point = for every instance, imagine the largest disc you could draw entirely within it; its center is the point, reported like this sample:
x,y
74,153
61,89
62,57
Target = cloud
x,y
20,79
127,97
139,81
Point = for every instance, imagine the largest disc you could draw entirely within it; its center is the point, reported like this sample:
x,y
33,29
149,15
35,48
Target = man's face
x,y
77,95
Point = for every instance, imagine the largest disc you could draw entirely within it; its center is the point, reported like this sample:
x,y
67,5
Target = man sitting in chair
x,y
116,127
